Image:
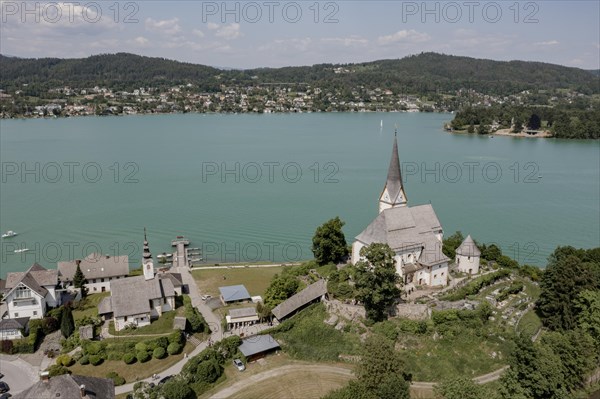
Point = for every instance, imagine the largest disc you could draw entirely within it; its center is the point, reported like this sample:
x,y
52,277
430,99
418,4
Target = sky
x,y
272,33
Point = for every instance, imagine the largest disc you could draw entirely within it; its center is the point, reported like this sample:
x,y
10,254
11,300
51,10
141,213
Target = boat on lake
x,y
18,251
9,234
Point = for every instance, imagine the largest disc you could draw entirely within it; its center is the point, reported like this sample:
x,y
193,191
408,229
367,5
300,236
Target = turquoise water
x,y
548,192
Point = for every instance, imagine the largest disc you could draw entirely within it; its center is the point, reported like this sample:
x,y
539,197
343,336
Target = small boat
x,y
18,251
381,123
539,176
9,234
491,137
164,256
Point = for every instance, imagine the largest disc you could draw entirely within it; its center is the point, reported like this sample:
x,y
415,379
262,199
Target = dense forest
x,y
424,73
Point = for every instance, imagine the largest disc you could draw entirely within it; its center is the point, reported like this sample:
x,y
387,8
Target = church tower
x,y
393,194
147,262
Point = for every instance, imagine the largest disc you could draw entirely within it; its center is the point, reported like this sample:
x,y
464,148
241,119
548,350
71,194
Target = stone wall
x,y
413,311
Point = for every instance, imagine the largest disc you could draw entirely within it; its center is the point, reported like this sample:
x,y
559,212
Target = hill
x,y
418,74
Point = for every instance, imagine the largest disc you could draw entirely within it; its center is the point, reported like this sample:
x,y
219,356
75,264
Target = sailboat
x,y
381,124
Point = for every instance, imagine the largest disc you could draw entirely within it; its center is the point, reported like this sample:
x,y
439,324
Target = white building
x,y
413,233
31,293
99,270
14,328
467,256
140,299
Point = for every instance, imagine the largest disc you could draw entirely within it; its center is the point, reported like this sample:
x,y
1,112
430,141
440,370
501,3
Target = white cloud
x,y
547,43
198,32
404,37
167,26
296,45
140,41
213,26
229,32
352,41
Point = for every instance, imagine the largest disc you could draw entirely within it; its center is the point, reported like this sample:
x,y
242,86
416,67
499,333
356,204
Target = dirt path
x,y
240,385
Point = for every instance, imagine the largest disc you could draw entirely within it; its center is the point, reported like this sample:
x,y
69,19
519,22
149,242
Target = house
x,y
99,270
69,386
137,300
413,233
234,293
314,292
14,328
241,317
258,346
176,280
467,256
31,293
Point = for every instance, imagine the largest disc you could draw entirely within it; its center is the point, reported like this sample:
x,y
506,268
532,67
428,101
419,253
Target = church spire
x,y
393,194
147,262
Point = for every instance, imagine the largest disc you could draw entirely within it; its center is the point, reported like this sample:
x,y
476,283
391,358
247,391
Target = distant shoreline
x,y
507,132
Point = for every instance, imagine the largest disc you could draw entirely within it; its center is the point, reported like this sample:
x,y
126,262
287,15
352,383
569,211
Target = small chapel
x,y
414,233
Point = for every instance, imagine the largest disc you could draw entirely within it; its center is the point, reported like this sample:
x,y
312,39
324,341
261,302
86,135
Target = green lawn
x,y
88,307
530,323
162,325
256,279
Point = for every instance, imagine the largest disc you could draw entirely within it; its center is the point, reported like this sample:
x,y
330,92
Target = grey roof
x,y
402,227
14,324
105,306
36,277
232,293
258,344
132,295
394,177
67,386
175,278
86,332
307,295
242,312
432,252
468,248
95,266
179,322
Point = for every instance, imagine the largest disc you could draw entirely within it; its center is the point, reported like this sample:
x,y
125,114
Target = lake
x,y
255,187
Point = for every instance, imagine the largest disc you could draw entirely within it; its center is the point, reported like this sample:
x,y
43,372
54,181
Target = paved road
x,y
18,374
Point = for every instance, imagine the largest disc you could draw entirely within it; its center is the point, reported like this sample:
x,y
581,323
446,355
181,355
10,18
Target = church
x,y
413,233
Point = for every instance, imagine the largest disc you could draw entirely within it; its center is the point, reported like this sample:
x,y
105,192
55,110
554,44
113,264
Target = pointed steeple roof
x,y
468,248
147,253
394,177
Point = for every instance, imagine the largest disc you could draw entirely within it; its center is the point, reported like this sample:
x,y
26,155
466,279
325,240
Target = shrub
x,y
129,358
141,347
93,348
114,356
174,348
387,329
194,319
117,379
57,369
85,359
64,360
176,337
96,360
159,353
142,356
162,342
476,285
176,390
6,346
50,324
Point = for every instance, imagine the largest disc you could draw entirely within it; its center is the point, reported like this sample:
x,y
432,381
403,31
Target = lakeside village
x,y
258,98
447,308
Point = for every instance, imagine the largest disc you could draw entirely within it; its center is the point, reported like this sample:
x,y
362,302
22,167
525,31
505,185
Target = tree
x,y
329,242
451,243
588,307
461,388
483,129
517,126
534,122
67,323
281,288
263,311
471,128
376,280
174,389
79,281
569,272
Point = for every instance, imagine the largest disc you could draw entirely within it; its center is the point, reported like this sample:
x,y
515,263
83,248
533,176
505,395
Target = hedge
x,y
143,356
129,358
96,360
64,360
85,359
476,285
174,348
117,379
159,353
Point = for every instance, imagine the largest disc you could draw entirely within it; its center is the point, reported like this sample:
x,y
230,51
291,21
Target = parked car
x,y
238,363
165,379
5,395
4,387
1,375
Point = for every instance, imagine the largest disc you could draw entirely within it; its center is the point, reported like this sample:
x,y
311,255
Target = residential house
x,y
69,386
234,293
241,317
99,270
14,328
31,293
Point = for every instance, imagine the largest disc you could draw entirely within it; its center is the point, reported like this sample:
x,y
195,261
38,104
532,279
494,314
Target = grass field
x,y
89,306
529,324
255,279
131,372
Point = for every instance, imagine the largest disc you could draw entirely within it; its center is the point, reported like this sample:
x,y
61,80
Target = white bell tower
x,y
147,262
393,194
